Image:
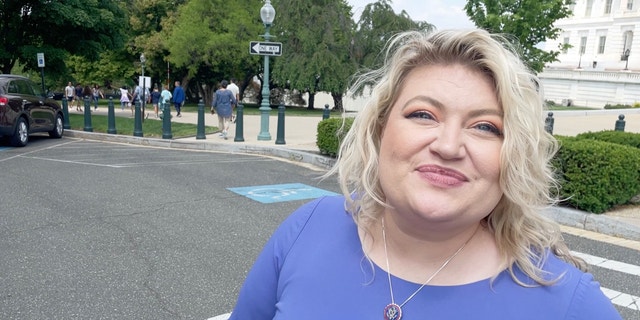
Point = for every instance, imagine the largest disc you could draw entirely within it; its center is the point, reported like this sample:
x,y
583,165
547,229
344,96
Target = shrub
x,y
620,137
330,134
617,106
596,175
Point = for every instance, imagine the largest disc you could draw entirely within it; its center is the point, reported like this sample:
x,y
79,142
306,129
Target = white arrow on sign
x,y
266,48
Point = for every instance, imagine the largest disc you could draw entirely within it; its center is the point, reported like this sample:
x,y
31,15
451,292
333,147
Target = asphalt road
x,y
99,230
94,230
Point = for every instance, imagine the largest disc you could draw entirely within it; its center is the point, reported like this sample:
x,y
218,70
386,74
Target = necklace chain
x,y
386,255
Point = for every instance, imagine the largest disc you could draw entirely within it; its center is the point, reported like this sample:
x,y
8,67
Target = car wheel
x,y
58,128
21,135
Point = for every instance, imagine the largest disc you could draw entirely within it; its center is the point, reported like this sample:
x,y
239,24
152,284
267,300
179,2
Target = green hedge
x,y
597,175
620,137
330,134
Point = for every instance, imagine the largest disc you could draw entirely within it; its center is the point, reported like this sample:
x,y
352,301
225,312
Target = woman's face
x,y
440,149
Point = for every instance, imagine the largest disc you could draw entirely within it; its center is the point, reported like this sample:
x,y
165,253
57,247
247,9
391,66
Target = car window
x,y
12,87
37,90
24,87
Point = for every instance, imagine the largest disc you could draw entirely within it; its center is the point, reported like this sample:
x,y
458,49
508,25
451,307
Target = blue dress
x,y
313,267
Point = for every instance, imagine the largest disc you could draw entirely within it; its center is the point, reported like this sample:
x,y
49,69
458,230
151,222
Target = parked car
x,y
24,110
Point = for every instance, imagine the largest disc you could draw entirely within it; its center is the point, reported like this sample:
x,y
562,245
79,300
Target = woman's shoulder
x,y
322,214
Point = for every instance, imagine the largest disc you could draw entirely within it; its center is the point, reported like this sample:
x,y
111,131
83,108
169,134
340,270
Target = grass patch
x,y
151,128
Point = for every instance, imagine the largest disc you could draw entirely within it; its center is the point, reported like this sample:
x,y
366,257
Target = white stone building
x,y
603,64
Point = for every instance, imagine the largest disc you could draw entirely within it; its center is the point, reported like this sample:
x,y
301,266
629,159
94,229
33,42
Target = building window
x,y
629,4
601,42
607,7
565,44
583,45
587,12
626,46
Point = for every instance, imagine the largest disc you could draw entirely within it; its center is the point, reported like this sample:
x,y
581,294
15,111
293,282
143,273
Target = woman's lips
x,y
442,176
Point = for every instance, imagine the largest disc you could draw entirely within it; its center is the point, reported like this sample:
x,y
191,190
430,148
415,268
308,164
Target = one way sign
x,y
266,48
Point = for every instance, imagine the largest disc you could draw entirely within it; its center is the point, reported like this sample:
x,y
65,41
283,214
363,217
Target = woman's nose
x,y
448,142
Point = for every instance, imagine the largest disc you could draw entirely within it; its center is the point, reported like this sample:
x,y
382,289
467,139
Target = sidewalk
x,y
300,146
299,132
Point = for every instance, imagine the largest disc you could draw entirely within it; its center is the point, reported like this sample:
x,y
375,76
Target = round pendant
x,y
392,312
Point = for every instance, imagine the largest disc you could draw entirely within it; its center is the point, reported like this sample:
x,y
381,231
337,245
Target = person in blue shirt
x,y
443,173
222,103
178,98
155,99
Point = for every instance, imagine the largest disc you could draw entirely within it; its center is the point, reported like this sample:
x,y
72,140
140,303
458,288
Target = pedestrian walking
x,y
222,103
69,92
155,100
97,94
125,98
178,98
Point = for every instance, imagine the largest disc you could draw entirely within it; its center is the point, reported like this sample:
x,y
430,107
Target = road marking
x,y
622,299
37,150
281,192
631,244
609,264
221,317
618,298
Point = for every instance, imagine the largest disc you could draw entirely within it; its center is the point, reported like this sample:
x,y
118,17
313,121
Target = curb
x,y
300,156
593,222
565,216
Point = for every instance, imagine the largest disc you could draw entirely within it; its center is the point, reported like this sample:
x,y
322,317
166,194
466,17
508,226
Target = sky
x,y
444,14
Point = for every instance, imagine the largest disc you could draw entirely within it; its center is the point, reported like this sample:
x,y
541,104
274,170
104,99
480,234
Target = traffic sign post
x,y
40,58
265,48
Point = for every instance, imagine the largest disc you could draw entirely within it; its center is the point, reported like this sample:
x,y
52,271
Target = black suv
x,y
24,109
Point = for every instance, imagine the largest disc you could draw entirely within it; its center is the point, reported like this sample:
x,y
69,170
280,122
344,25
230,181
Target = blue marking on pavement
x,y
281,192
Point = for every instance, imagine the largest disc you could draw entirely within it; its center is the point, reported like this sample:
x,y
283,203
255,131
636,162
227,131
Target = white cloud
x,y
444,14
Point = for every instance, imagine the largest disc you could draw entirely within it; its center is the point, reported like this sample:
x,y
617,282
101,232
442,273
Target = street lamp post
x,y
267,14
144,84
137,126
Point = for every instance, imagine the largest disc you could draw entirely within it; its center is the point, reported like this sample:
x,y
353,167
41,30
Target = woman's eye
x,y
421,115
489,128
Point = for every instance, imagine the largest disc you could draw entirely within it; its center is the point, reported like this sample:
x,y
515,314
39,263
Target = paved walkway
x,y
300,145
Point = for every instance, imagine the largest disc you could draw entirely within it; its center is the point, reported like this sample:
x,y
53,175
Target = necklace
x,y
393,311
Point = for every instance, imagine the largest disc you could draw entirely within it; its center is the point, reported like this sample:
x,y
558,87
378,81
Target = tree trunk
x,y
312,100
337,102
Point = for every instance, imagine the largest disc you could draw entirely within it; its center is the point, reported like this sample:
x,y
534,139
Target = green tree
x,y
528,22
378,23
211,44
316,37
151,22
57,28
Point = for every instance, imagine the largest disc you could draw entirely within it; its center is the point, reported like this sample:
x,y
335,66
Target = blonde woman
x,y
444,174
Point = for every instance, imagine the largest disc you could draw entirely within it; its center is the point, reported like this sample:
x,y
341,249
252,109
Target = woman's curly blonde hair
x,y
527,180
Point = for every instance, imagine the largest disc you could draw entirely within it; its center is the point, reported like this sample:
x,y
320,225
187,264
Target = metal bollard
x,y
620,123
65,113
280,134
200,130
166,121
137,122
87,115
326,112
548,123
111,118
239,123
